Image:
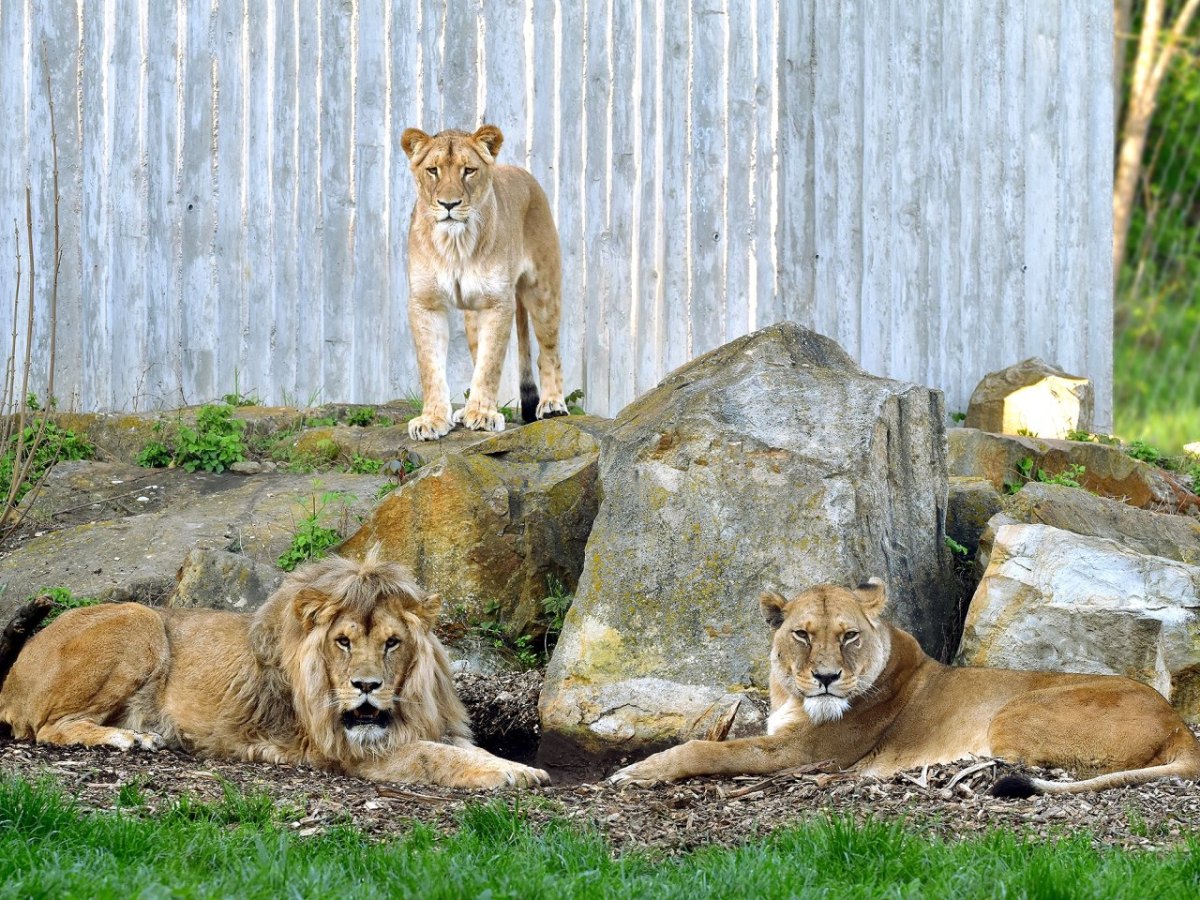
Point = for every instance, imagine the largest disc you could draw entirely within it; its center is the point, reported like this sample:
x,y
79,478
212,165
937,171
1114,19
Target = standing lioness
x,y
481,239
847,686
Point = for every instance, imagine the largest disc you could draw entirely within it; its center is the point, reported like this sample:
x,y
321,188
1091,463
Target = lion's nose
x,y
366,685
826,678
450,204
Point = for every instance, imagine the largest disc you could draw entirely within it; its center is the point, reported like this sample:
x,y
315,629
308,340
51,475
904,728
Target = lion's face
x,y
830,645
367,659
453,171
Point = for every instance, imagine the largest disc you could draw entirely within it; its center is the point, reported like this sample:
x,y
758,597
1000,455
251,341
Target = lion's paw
x,y
124,739
643,773
479,418
551,407
511,774
428,427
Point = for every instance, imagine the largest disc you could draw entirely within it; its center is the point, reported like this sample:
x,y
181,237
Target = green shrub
x,y
313,540
214,444
54,445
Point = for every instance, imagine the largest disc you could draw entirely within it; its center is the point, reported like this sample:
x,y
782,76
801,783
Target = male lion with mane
x,y
339,669
481,239
847,686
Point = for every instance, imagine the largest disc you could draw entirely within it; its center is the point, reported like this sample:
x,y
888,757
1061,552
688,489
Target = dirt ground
x,y
951,801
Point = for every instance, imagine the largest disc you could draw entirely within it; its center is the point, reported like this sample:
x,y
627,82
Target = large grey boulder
x,y
486,527
1065,602
1032,396
772,462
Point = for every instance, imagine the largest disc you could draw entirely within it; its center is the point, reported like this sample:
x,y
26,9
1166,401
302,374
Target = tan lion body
x,y
848,687
482,239
339,670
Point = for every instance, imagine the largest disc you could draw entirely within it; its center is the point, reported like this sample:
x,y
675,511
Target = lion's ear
x,y
872,597
428,610
413,140
312,608
772,605
491,138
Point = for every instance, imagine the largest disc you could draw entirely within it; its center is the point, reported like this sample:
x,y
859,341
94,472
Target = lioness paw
x,y
479,418
427,427
643,773
551,407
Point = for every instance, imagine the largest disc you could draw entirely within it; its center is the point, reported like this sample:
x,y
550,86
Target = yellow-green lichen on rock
x,y
759,465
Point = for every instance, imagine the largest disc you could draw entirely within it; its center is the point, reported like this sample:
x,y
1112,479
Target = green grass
x,y
241,846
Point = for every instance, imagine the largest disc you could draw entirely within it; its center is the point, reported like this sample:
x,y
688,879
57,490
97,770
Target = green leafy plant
x,y
1028,470
1143,451
237,398
574,401
1025,432
31,453
63,600
955,547
362,417
1083,436
554,606
155,455
214,444
364,465
312,539
319,422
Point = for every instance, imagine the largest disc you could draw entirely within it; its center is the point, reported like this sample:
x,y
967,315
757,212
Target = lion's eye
x,y
343,642
800,635
468,171
432,170
391,643
849,637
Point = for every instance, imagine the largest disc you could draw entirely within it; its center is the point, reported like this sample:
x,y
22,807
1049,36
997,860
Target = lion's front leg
x,y
494,325
427,318
743,756
427,762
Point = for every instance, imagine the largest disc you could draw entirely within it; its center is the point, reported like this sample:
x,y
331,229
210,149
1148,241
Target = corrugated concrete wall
x,y
927,181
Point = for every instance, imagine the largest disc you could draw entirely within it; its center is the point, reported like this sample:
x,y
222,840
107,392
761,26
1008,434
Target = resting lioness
x,y
481,239
849,687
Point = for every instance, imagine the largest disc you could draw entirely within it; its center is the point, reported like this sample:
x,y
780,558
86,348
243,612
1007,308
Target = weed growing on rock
x,y
313,540
574,401
1028,470
364,465
555,605
63,600
214,444
362,417
155,455
1144,452
32,451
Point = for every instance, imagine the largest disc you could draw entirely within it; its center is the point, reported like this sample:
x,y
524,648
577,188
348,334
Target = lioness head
x,y
830,645
356,642
453,171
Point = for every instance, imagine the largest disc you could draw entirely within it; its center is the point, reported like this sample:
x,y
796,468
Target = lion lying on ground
x,y
848,687
481,239
339,670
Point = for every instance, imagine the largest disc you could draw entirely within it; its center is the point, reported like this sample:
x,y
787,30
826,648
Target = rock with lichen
x,y
1057,601
771,462
489,526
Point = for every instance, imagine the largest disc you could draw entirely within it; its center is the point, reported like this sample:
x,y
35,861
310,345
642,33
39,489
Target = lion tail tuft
x,y
19,629
1014,787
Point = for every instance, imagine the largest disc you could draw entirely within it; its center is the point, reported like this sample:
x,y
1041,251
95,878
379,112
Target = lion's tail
x,y
529,391
1187,766
18,630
